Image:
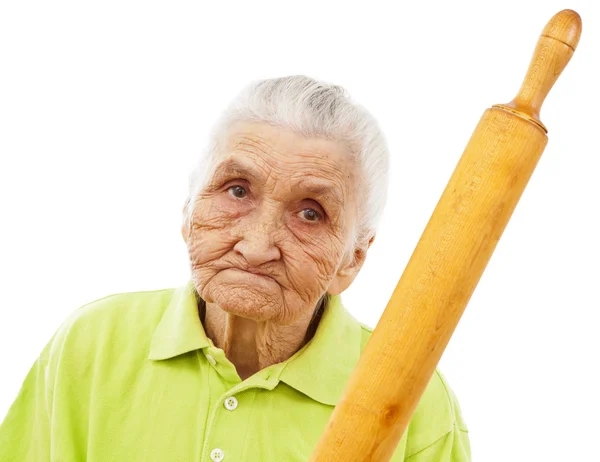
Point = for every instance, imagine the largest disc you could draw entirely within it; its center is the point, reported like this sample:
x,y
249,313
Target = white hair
x,y
313,109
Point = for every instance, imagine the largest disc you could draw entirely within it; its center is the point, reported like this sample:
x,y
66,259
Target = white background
x,y
104,107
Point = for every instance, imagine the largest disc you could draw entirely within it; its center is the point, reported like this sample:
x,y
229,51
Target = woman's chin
x,y
246,312
259,302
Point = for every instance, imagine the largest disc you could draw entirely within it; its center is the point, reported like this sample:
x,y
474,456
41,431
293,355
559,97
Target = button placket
x,y
227,410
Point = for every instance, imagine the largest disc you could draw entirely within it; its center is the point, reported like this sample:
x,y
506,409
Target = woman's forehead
x,y
262,142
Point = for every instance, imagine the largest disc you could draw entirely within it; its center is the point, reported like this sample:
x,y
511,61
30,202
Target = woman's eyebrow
x,y
234,166
325,190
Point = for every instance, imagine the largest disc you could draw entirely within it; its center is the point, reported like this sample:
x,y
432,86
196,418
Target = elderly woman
x,y
247,360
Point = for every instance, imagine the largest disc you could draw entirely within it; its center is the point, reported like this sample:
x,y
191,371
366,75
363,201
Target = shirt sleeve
x,y
26,430
451,446
454,446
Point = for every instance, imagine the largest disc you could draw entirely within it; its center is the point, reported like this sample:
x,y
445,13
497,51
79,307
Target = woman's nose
x,y
257,244
257,248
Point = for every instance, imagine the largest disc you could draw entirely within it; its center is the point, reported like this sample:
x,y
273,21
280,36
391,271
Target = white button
x,y
211,359
231,403
217,454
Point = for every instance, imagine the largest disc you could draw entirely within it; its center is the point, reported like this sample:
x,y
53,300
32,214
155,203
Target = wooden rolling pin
x,y
447,263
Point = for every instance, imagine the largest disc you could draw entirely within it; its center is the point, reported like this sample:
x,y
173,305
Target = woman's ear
x,y
185,227
349,269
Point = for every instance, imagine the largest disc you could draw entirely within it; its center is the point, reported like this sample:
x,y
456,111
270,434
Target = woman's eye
x,y
237,191
311,215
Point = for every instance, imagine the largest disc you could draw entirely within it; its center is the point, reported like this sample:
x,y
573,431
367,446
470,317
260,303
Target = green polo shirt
x,y
133,377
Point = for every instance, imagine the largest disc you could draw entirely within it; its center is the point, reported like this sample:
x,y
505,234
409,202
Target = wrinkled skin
x,y
267,220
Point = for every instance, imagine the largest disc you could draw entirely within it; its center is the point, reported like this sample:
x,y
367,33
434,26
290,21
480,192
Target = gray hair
x,y
316,109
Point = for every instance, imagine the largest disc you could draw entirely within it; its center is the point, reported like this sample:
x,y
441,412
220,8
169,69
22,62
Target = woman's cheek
x,y
327,253
216,213
232,209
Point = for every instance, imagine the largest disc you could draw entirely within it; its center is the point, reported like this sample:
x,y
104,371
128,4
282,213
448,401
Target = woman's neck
x,y
251,345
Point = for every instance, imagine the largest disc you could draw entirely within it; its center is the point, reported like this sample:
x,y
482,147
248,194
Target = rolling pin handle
x,y
553,51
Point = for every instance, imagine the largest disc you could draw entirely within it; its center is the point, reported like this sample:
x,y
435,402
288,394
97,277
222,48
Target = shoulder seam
x,y
455,422
437,372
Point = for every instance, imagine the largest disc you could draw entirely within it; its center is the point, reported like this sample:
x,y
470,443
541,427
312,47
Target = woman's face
x,y
279,205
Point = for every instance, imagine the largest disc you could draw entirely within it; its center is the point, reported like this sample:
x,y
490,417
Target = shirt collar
x,y
320,369
323,366
180,330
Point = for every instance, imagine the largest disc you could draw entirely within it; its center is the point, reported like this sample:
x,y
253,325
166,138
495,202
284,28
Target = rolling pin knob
x,y
553,51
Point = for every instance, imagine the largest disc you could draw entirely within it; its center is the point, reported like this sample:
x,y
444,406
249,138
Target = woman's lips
x,y
255,274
